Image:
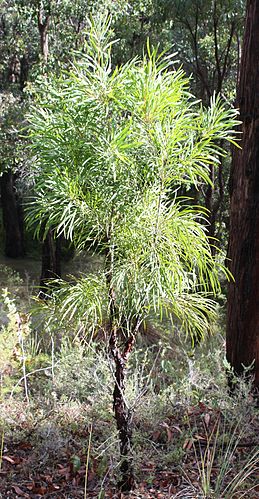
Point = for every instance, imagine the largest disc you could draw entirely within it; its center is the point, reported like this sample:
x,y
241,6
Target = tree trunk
x,y
51,248
121,411
12,218
243,296
50,264
120,357
43,25
24,71
210,206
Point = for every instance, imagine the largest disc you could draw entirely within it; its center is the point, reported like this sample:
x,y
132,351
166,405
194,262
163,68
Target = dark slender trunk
x,y
214,196
43,26
120,357
51,247
121,411
12,217
209,204
24,71
50,266
243,295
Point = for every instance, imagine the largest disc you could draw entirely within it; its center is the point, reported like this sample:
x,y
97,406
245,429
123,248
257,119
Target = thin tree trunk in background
x,y
243,296
51,247
24,71
43,25
213,211
12,218
50,263
210,78
12,212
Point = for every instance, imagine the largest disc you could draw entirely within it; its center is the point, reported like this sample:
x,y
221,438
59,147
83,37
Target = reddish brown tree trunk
x,y
120,357
121,411
243,297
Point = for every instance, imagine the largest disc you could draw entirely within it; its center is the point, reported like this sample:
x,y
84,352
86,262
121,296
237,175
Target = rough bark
x,y
243,296
12,218
121,411
120,357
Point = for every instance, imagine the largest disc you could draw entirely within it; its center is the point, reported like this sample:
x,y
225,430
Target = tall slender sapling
x,y
111,149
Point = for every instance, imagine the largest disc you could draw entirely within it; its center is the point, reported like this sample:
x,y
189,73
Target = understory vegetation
x,y
58,433
128,249
114,153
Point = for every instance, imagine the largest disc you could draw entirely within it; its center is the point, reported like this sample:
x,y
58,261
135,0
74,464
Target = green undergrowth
x,y
54,388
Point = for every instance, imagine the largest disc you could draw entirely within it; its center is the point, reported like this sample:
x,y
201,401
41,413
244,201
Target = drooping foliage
x,y
112,148
39,36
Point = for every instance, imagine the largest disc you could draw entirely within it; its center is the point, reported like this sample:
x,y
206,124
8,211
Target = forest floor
x,y
58,438
27,471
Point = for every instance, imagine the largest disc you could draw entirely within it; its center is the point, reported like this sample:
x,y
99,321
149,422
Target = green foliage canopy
x,y
111,149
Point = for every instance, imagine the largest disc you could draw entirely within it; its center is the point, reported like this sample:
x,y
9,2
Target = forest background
x,y
192,437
